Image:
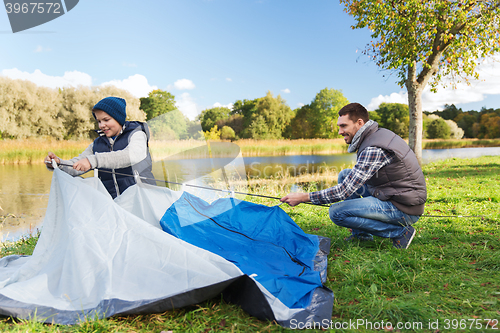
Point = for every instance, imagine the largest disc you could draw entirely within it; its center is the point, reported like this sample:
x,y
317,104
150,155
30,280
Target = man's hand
x,y
51,156
293,199
82,165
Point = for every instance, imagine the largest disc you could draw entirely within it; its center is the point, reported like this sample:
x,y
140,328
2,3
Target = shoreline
x,y
33,151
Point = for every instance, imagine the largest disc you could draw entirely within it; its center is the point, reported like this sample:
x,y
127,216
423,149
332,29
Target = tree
x,y
319,119
245,109
449,112
374,116
235,121
325,112
157,103
263,118
438,129
227,133
395,117
209,117
466,121
455,131
301,125
275,114
425,41
194,129
172,125
490,122
27,110
213,134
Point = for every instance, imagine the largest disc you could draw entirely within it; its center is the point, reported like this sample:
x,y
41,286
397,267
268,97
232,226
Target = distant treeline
x,y
29,111
484,124
271,118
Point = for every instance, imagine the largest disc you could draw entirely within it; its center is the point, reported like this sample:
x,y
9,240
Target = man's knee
x,y
342,175
337,214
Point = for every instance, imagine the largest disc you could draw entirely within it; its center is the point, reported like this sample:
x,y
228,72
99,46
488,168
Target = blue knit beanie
x,y
114,106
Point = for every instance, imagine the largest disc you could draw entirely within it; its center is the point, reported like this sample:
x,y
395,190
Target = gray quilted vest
x,y
402,181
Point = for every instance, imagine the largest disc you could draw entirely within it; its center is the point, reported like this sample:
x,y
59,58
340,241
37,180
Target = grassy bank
x,y
291,147
450,274
463,143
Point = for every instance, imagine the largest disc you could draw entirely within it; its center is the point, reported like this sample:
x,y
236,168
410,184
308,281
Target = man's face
x,y
348,128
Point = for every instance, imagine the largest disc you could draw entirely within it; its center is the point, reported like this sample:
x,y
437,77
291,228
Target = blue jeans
x,y
368,215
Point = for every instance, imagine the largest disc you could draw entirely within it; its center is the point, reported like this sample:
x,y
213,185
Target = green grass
x,y
450,272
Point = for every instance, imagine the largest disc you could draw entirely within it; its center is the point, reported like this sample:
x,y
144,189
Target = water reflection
x,y
429,155
24,192
292,166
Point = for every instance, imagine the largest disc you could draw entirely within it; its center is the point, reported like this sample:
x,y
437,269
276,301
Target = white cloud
x,y
72,78
488,84
286,91
400,97
218,105
40,48
182,84
300,104
186,104
229,79
136,84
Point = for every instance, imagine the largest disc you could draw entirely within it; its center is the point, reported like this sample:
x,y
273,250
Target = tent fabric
x,y
261,241
98,257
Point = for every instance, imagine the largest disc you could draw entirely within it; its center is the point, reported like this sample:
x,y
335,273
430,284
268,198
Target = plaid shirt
x,y
368,163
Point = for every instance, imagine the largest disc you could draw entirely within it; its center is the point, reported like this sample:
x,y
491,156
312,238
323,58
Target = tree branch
x,y
438,47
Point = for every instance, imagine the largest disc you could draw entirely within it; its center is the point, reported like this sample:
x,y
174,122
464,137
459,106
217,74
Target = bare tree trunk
x,y
415,106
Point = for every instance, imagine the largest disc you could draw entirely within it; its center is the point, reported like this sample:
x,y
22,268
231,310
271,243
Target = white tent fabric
x,y
98,257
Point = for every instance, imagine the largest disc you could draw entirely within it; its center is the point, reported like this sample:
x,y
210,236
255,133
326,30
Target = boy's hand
x,y
82,165
48,159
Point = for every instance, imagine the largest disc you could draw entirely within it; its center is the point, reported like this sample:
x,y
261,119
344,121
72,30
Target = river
x,y
24,189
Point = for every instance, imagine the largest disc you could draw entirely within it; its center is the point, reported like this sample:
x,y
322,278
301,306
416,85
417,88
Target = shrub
x,y
227,133
438,129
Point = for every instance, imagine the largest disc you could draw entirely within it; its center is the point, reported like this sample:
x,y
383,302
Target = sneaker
x,y
403,241
363,238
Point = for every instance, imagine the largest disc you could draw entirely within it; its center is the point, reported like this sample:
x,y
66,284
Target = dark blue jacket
x,y
118,180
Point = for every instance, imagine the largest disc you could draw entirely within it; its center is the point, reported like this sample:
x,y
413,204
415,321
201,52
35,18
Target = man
x,y
384,193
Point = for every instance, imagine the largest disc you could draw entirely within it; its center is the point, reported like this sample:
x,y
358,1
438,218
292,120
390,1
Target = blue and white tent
x,y
98,257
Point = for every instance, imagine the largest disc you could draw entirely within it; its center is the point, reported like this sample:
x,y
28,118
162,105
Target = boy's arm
x,y
136,151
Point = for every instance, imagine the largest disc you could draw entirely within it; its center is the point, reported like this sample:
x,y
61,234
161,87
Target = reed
x,y
176,149
33,151
250,147
461,143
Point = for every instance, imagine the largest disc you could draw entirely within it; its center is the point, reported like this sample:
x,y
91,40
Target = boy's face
x,y
107,124
348,128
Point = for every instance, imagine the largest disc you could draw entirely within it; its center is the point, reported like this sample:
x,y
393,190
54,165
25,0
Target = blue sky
x,y
214,52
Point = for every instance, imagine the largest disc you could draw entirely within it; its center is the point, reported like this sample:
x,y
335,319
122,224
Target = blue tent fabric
x,y
264,242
